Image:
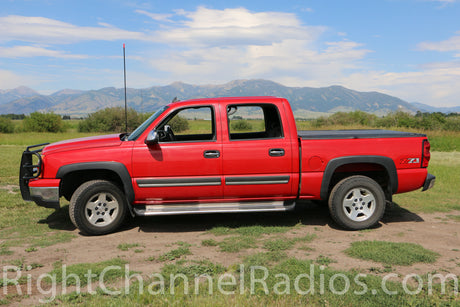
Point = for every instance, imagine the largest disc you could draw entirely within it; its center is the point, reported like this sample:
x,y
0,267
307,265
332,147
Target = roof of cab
x,y
249,99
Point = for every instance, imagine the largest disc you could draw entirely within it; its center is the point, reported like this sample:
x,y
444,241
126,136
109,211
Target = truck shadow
x,y
316,215
306,213
394,213
59,219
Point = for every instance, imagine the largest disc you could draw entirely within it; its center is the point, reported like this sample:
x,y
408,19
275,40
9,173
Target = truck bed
x,y
355,134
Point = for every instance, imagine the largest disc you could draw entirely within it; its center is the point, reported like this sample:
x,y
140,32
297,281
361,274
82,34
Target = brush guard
x,y
28,170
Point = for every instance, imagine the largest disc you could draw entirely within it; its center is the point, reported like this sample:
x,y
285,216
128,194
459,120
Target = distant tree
x,y
241,125
13,116
43,122
179,124
111,120
6,125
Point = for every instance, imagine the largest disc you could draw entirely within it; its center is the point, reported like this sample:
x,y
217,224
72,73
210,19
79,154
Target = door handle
x,y
276,152
211,154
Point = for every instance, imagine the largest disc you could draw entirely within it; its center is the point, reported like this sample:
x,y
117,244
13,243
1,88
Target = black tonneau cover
x,y
355,134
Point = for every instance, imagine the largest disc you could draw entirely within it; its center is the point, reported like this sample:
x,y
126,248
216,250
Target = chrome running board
x,y
177,209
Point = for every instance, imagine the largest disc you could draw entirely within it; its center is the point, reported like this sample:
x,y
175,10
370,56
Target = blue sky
x,y
406,48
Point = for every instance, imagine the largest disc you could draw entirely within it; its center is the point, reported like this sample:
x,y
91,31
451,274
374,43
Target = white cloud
x,y
451,44
216,46
230,27
220,45
9,80
34,51
156,16
49,31
435,84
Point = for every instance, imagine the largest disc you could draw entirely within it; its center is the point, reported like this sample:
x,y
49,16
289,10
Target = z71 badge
x,y
410,160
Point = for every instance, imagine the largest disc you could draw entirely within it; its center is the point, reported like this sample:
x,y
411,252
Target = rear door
x,y
257,160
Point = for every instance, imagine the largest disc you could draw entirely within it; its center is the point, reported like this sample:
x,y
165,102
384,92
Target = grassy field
x,y
29,228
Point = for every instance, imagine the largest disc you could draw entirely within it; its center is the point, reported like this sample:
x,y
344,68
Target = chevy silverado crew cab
x,y
224,163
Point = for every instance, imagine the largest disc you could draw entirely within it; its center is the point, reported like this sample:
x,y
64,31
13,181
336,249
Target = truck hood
x,y
83,143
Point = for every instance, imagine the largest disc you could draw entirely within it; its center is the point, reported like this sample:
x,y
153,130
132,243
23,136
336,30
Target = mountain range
x,y
305,101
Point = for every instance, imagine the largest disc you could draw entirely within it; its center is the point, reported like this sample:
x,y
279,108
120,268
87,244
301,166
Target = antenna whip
x,y
126,105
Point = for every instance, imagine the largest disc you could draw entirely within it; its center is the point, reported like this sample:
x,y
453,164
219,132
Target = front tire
x,y
98,207
357,202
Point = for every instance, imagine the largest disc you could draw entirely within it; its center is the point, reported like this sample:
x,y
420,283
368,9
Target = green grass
x,y
209,242
25,223
236,244
447,141
255,230
31,138
280,244
97,268
286,282
454,217
127,246
4,251
324,260
391,253
192,269
182,250
265,259
445,195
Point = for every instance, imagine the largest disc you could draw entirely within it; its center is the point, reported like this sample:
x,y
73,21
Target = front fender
x,y
116,167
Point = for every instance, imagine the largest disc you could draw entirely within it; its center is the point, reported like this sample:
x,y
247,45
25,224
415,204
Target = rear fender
x,y
386,162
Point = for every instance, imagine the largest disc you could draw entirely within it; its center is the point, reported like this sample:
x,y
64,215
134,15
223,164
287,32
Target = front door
x,y
185,165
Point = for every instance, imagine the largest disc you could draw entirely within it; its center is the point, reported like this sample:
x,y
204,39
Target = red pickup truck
x,y
223,162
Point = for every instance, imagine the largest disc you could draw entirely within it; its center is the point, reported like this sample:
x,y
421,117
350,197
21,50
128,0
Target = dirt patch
x,y
10,188
155,236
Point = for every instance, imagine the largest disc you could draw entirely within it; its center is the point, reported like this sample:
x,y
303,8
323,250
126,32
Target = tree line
x,y
113,120
419,121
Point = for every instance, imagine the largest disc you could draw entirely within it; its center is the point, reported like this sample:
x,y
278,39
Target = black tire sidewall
x,y
83,194
339,192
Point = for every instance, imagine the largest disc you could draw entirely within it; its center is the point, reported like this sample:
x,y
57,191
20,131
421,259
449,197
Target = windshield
x,y
136,133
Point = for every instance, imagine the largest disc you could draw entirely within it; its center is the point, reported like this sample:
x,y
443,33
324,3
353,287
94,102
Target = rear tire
x,y
357,202
98,207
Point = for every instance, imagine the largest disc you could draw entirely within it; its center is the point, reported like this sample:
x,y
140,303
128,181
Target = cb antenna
x,y
126,105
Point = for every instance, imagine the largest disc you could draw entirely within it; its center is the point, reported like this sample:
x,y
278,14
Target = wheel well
x,y
376,172
73,180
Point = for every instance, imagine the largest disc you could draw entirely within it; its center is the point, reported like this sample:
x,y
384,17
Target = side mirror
x,y
152,138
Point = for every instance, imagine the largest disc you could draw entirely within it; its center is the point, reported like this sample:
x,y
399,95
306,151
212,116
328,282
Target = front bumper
x,y
44,192
429,182
45,196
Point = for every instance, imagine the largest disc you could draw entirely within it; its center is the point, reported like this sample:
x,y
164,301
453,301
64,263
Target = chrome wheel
x,y
98,207
359,204
101,209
